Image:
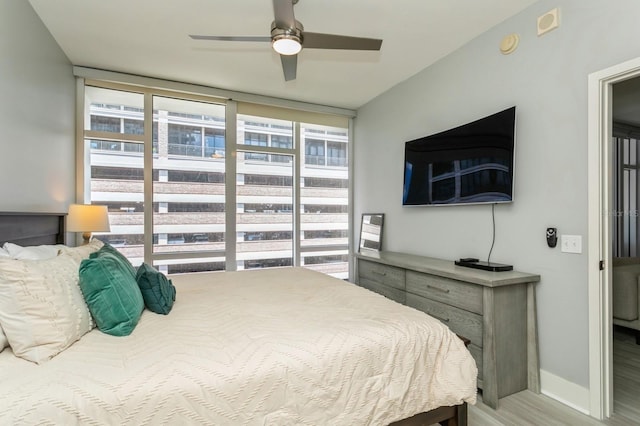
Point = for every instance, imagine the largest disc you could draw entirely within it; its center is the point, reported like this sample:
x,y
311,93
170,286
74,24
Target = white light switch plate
x,y
571,243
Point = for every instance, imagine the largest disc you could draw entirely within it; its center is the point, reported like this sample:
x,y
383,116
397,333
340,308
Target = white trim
x,y
600,321
564,391
351,149
83,173
231,169
297,167
147,171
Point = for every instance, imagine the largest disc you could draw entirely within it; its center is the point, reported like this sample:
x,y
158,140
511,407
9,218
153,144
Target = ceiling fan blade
x,y
289,66
332,41
230,38
283,12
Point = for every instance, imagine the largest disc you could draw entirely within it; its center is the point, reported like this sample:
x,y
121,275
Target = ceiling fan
x,y
288,38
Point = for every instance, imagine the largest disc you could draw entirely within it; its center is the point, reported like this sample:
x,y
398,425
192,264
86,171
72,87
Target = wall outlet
x,y
571,243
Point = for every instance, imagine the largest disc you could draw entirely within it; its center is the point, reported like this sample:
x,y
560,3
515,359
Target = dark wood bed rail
x,y
446,416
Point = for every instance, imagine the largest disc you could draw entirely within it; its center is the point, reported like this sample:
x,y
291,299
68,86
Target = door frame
x,y
600,148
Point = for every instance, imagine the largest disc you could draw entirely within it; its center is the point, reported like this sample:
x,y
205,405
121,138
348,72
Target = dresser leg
x,y
489,360
533,363
490,399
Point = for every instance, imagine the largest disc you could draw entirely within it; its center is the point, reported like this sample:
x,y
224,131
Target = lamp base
x,y
86,237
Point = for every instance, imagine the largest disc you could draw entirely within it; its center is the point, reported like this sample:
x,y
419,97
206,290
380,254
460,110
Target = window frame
x,y
232,147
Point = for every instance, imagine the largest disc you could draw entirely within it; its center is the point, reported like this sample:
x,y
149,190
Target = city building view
x,y
289,204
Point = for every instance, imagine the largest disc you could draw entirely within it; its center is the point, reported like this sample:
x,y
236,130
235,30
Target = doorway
x,y
625,250
600,206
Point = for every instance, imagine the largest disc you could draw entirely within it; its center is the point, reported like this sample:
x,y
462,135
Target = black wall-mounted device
x,y
552,237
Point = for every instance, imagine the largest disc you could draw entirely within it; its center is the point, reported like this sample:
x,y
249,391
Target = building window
x,y
194,207
267,263
314,152
325,208
336,154
268,180
314,182
185,140
194,176
214,143
105,124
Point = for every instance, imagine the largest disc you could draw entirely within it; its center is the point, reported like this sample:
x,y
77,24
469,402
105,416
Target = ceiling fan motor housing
x,y
287,33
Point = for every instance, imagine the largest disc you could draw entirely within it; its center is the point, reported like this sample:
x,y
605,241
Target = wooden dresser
x,y
495,310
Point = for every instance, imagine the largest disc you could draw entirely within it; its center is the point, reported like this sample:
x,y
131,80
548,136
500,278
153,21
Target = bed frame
x,y
446,416
28,229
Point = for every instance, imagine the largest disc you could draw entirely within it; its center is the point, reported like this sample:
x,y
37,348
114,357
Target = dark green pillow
x,y
157,290
113,296
107,248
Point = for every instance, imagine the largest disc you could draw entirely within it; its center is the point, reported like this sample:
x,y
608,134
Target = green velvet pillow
x,y
157,290
112,294
107,248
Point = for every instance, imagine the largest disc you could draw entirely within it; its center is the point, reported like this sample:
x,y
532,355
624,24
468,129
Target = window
x,y
185,140
188,185
289,199
116,167
105,124
314,152
314,182
250,179
337,154
214,143
325,200
264,198
197,176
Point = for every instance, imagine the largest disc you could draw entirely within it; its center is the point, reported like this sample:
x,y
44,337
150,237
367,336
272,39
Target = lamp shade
x,y
88,218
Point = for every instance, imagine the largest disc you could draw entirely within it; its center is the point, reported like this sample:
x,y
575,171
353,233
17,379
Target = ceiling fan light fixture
x,y
287,45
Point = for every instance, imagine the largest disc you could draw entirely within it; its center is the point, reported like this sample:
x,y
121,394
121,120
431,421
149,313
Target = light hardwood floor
x,y
527,408
626,374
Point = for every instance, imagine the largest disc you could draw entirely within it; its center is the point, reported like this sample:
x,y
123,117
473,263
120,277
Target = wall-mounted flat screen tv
x,y
469,164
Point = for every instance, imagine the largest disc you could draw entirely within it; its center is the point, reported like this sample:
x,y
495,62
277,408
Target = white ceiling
x,y
150,38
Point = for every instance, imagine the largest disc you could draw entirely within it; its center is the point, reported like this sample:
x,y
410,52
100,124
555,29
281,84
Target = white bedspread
x,y
271,347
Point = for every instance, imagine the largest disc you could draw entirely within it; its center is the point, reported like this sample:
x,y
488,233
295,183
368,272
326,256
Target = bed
x,y
275,347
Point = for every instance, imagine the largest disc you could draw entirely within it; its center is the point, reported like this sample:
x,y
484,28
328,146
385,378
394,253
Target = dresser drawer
x,y
383,274
461,322
455,293
385,290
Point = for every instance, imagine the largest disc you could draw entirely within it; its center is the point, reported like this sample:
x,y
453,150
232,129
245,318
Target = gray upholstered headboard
x,y
29,229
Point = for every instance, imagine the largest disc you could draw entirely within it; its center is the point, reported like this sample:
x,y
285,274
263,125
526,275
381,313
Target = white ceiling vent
x,y
549,21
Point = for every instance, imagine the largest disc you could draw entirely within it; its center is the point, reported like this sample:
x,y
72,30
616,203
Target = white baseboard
x,y
564,391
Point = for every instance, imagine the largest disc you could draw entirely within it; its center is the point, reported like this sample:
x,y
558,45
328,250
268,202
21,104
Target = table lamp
x,y
87,219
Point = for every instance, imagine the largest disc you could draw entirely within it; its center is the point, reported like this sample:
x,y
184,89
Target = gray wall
x,y
37,104
546,78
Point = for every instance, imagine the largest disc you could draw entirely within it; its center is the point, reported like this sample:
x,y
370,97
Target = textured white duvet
x,y
271,347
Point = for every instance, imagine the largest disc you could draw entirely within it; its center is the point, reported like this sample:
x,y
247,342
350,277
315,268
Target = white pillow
x,y
4,253
42,310
32,252
4,343
82,252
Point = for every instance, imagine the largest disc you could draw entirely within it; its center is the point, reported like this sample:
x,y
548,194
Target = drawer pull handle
x,y
442,290
384,274
441,319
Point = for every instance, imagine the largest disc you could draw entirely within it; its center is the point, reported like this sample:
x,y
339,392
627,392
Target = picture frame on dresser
x,y
371,228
